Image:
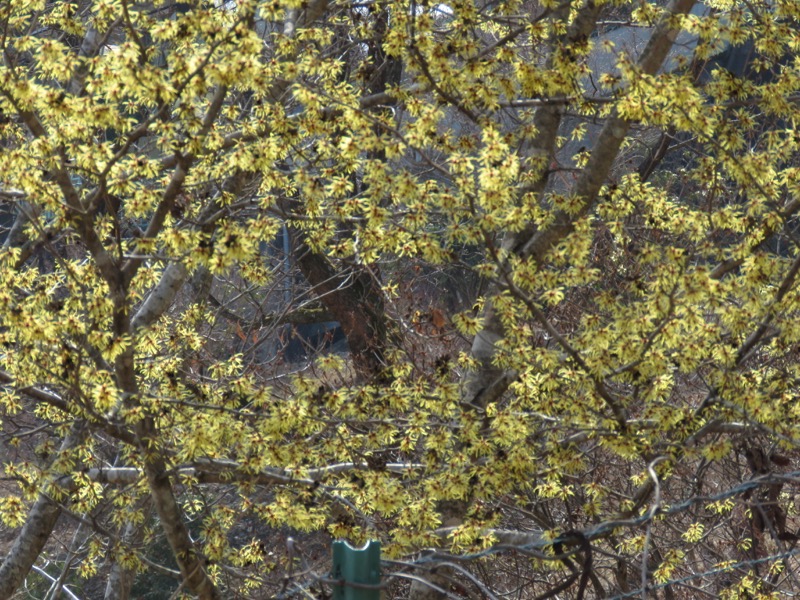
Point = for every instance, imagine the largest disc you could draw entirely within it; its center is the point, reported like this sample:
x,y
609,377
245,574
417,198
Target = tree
x,y
605,405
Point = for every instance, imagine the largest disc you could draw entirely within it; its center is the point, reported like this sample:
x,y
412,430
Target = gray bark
x,y
189,561
41,520
120,580
28,545
16,235
489,382
162,296
613,133
207,470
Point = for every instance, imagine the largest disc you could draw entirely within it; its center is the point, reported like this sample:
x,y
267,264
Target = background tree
x,y
602,405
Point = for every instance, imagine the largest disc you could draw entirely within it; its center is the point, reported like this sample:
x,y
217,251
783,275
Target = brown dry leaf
x,y
438,319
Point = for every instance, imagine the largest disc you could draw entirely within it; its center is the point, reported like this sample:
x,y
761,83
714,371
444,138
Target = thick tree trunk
x,y
28,545
170,516
171,519
354,298
37,529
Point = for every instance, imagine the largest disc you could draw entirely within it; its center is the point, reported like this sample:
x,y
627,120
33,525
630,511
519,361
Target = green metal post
x,y
361,566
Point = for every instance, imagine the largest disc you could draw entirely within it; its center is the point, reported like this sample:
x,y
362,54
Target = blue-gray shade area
x,y
309,339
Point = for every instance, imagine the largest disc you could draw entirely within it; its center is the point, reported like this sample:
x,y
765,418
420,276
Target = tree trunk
x,y
121,579
488,383
37,529
354,298
170,517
